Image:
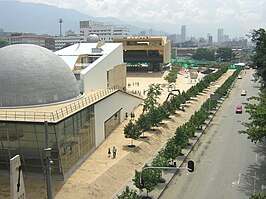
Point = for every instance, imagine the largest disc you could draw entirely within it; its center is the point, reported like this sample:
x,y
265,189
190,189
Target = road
x,y
227,164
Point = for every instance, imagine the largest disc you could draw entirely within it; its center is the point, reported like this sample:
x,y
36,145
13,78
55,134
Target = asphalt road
x,y
227,164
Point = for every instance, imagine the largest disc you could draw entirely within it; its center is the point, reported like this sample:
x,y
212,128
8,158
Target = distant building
x,y
173,38
105,32
46,42
64,41
220,35
184,53
225,38
25,39
183,33
236,44
209,39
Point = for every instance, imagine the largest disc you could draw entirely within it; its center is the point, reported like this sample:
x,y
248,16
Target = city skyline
x,y
201,17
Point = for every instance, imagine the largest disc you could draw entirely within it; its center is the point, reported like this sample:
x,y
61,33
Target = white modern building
x,y
97,65
38,85
104,32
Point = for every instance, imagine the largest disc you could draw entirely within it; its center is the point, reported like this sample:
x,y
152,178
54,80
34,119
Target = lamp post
x,y
190,168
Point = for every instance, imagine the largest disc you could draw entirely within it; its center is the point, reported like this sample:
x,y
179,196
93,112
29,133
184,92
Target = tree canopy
x,y
204,54
259,58
256,127
3,43
224,54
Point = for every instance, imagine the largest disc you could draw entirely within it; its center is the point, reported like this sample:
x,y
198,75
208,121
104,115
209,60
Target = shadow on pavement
x,y
254,180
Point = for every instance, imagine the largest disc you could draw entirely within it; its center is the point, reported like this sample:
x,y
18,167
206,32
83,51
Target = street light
x,y
190,168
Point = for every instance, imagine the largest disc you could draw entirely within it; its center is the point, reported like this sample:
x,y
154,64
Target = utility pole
x,y
48,162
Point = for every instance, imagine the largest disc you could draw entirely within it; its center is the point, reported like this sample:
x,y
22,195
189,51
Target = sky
x,y
236,17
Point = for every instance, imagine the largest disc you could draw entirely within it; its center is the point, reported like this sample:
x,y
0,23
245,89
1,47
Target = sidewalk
x,y
102,177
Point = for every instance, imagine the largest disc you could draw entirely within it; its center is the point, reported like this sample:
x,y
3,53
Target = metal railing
x,y
56,115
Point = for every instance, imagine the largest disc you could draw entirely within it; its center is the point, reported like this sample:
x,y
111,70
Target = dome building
x,y
33,75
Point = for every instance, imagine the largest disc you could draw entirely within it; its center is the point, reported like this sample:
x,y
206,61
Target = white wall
x,y
110,105
96,78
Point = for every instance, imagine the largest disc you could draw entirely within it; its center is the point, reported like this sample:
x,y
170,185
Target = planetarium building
x,y
36,85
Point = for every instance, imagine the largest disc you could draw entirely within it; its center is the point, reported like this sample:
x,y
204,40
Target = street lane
x,y
228,165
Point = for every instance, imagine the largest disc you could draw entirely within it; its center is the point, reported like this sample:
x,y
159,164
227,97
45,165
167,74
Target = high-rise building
x,y
183,33
220,35
209,39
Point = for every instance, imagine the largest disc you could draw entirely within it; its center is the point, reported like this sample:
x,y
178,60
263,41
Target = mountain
x,y
41,18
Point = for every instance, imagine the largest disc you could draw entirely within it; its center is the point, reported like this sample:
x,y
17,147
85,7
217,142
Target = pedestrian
x,y
114,152
109,152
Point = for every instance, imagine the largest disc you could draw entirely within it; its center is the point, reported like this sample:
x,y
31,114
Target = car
x,y
239,77
243,93
239,109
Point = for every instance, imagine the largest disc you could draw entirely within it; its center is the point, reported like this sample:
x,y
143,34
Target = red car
x,y
239,109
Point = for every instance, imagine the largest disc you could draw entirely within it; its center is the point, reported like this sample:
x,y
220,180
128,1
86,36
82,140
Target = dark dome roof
x,y
33,75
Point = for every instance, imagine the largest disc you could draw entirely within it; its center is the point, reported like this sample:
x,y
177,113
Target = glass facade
x,y
70,140
112,123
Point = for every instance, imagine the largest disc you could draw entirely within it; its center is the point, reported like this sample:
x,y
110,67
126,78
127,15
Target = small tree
x,y
171,150
132,131
154,117
169,107
152,96
160,160
256,127
150,179
171,77
144,123
181,138
129,194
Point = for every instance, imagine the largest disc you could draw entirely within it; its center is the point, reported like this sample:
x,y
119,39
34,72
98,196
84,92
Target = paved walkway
x,y
102,177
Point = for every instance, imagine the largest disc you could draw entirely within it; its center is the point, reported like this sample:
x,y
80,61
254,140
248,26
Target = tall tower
x,y
183,33
220,35
60,24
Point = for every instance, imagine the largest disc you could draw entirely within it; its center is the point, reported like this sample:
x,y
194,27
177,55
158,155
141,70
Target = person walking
x,y
114,152
109,152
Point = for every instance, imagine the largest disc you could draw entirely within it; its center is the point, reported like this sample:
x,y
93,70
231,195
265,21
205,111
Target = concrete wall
x,y
110,105
96,78
117,76
167,52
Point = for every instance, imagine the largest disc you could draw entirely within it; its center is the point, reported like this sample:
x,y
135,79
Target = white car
x,y
239,77
243,93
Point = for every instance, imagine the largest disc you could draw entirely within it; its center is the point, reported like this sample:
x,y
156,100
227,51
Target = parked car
x,y
243,93
239,77
239,109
